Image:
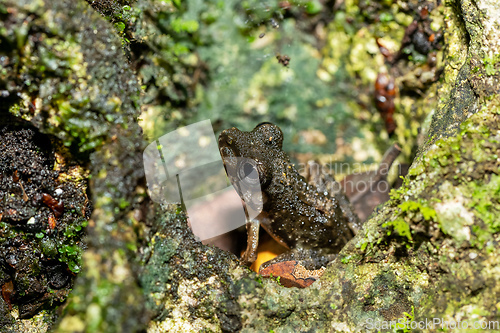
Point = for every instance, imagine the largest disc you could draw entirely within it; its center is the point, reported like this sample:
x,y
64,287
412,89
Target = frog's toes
x,y
248,258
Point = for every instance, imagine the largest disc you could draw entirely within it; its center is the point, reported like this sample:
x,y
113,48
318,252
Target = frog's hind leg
x,y
250,254
324,181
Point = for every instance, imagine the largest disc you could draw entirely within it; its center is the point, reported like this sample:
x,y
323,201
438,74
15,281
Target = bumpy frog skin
x,y
295,214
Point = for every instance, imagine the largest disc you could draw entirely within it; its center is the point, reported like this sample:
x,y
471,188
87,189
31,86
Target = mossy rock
x,y
64,70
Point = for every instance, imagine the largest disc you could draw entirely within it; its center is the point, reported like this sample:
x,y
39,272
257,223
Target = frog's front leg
x,y
250,254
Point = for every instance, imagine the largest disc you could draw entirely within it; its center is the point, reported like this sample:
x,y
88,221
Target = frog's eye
x,y
251,172
248,172
271,134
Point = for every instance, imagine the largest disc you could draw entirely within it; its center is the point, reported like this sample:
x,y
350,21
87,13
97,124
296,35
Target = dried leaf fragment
x,y
7,293
56,206
292,274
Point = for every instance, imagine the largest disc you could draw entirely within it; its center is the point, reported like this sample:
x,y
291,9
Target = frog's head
x,y
244,153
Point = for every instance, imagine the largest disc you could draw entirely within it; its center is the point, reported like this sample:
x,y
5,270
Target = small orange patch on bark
x,y
267,250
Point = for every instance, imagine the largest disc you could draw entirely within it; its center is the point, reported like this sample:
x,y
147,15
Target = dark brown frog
x,y
296,214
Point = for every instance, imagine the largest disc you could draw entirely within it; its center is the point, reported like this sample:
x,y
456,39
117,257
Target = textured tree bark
x,y
430,252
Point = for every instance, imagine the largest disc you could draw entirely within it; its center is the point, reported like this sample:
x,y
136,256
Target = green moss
x,y
71,254
347,259
181,262
400,226
404,323
485,199
427,212
491,64
313,7
371,237
438,172
68,90
157,272
49,247
407,210
119,26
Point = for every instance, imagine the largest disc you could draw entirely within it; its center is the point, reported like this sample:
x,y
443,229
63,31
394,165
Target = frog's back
x,y
302,216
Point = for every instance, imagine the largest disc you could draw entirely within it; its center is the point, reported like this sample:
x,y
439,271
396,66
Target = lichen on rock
x,y
431,251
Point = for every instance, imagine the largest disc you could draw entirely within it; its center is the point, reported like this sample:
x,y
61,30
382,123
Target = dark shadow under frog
x,y
298,215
